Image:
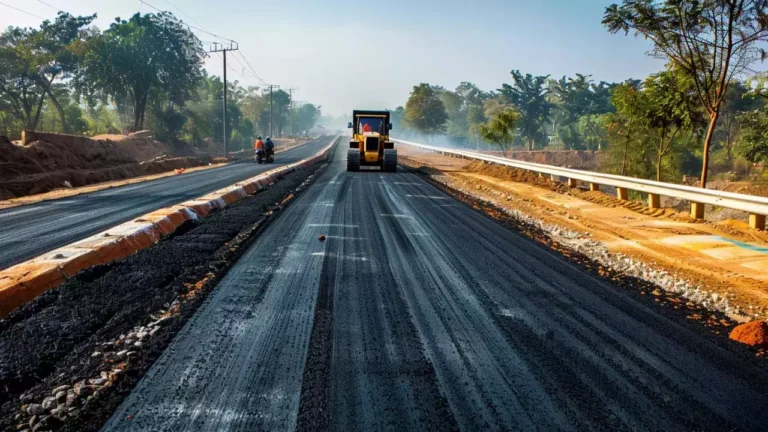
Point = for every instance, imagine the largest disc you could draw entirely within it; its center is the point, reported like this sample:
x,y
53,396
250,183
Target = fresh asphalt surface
x,y
34,229
430,316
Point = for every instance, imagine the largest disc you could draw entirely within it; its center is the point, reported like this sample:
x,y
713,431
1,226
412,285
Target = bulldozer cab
x,y
370,144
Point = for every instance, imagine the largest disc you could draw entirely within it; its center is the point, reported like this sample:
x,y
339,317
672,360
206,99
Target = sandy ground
x,y
725,258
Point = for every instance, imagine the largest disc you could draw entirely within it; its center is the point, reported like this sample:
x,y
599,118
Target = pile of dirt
x,y
741,187
51,161
578,159
50,155
140,146
753,333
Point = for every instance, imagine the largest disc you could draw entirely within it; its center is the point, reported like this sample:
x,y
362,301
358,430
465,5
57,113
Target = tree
x,y
529,96
471,95
625,127
424,110
753,143
500,129
306,117
576,102
670,108
475,118
592,127
713,41
738,99
396,117
152,54
32,60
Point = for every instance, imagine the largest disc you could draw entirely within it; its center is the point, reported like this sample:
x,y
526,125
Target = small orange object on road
x,y
321,238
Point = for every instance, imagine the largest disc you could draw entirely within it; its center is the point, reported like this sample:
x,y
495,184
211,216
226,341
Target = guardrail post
x,y
621,193
594,187
697,210
571,183
757,221
654,201
555,178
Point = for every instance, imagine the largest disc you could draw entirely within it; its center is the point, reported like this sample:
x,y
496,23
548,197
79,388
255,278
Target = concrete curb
x,y
24,282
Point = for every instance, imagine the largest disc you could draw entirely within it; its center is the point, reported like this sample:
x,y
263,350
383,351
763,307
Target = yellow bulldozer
x,y
370,144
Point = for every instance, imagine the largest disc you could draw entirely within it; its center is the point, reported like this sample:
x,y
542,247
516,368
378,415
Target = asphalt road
x,y
418,313
34,229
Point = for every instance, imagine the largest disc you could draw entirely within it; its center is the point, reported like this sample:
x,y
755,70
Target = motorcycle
x,y
263,155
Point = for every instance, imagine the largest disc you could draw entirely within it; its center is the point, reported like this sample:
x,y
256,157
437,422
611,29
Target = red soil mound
x,y
753,333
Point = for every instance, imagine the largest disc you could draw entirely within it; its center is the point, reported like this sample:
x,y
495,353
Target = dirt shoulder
x,y
724,265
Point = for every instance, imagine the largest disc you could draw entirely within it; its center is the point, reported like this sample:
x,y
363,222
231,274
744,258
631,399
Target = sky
x,y
345,55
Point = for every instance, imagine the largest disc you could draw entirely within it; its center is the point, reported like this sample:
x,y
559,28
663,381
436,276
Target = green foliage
x,y
753,145
577,103
397,118
529,95
152,54
424,111
306,117
709,41
500,128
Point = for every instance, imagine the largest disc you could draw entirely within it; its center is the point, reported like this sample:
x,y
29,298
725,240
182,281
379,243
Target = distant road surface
x,y
418,313
34,229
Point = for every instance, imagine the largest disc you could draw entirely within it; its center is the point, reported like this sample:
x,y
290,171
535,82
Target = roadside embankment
x,y
46,161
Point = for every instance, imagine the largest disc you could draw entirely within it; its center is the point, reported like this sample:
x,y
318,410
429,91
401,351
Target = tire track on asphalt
x,y
238,363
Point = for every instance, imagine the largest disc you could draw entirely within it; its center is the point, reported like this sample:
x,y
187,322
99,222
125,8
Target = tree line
x,y
145,72
704,112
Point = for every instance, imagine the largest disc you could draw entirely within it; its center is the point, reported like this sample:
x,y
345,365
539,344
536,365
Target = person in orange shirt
x,y
366,127
259,144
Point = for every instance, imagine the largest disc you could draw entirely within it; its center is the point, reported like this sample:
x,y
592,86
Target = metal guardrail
x,y
756,206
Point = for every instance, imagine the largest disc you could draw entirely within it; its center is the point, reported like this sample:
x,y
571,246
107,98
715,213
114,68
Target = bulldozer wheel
x,y
390,160
353,160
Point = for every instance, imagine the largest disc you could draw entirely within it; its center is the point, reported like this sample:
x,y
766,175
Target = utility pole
x,y
217,47
290,108
271,111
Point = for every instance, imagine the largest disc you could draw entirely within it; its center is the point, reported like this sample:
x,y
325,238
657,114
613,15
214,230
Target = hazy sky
x,y
345,54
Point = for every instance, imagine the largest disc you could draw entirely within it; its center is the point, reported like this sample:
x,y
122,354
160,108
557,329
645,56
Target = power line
x,y
190,25
52,7
251,67
23,11
182,12
204,30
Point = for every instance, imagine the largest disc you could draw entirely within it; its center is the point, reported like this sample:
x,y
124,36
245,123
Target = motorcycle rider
x,y
259,144
269,146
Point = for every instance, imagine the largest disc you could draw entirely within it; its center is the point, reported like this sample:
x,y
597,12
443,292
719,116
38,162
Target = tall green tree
x,y
306,117
712,41
424,111
528,94
151,54
627,127
671,109
33,61
500,129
